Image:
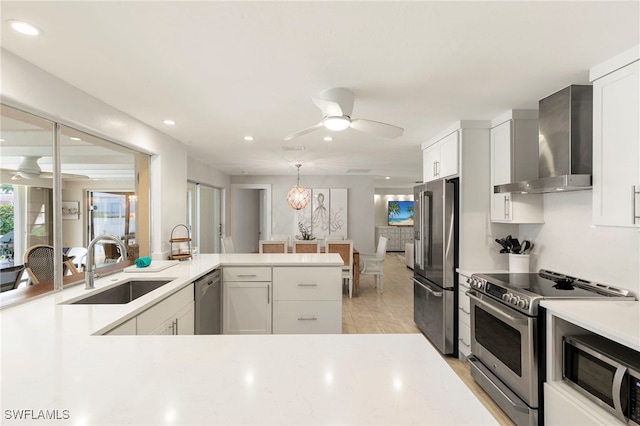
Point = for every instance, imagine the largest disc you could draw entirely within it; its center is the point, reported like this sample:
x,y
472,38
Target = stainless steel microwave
x,y
606,372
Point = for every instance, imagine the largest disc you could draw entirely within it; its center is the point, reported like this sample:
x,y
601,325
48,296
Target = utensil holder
x,y
518,263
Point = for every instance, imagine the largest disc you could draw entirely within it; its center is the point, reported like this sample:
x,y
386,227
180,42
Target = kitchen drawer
x,y
464,317
151,319
307,283
303,317
464,341
246,274
463,301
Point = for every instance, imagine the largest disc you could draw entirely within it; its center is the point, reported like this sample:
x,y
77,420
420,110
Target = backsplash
x,y
568,243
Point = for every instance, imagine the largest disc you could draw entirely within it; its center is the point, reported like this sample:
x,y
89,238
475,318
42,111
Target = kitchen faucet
x,y
88,272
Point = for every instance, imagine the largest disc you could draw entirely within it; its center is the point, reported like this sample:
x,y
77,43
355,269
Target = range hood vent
x,y
565,144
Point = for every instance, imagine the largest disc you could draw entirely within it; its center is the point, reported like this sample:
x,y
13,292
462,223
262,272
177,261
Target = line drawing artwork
x,y
326,214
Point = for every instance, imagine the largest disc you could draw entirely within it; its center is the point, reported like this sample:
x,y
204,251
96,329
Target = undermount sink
x,y
122,293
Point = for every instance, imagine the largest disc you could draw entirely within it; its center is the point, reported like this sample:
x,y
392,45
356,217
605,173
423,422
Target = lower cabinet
x,y
464,319
282,300
125,329
246,300
172,315
307,300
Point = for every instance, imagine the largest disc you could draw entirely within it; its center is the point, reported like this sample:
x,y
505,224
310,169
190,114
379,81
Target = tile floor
x,y
392,312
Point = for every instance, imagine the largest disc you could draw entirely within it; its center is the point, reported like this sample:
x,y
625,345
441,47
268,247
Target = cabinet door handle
x,y
176,329
307,319
634,193
268,291
506,206
307,285
434,169
466,312
462,341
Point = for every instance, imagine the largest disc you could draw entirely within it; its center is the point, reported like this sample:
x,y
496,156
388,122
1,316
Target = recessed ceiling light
x,y
23,27
1,140
75,139
248,138
169,122
387,177
328,138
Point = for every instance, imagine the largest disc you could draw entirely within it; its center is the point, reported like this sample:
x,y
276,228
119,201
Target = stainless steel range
x,y
507,334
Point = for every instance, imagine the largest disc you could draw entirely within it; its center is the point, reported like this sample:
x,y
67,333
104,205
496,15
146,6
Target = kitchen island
x,y
59,368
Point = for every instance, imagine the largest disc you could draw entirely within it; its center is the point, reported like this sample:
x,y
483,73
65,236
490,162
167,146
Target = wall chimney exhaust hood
x,y
565,145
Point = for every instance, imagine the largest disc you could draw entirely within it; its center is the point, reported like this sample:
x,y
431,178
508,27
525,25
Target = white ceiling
x,y
223,70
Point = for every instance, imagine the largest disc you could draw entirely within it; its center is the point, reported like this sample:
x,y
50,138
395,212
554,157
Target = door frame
x,y
265,206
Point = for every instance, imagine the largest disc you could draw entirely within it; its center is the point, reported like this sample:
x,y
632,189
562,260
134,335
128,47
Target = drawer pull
x,y
466,312
307,319
462,341
247,275
307,285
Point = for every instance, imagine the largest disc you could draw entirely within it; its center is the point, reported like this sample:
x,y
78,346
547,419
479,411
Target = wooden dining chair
x,y
267,246
345,250
38,262
306,246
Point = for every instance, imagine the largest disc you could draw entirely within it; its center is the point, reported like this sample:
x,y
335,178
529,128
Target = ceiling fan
x,y
30,169
336,106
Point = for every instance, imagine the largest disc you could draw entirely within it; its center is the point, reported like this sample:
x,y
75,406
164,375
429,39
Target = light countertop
x,y
615,320
52,358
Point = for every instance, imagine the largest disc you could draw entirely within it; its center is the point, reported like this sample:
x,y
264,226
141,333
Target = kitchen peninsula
x,y
56,361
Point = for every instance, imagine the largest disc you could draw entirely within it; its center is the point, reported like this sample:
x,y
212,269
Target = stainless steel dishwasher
x,y
208,289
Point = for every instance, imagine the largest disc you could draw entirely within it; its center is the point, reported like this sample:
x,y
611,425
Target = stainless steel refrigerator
x,y
435,261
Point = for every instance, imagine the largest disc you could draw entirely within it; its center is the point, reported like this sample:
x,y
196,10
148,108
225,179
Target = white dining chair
x,y
372,264
345,250
227,245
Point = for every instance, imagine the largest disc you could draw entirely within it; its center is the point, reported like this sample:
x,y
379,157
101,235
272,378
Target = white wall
x,y
383,196
360,190
568,243
28,87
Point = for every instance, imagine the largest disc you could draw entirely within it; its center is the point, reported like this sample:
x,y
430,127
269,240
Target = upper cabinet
x,y
440,158
514,157
616,141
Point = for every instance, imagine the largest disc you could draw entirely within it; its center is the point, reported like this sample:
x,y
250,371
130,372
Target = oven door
x,y
504,340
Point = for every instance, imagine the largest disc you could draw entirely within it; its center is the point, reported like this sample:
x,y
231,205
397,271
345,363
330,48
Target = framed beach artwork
x,y
70,210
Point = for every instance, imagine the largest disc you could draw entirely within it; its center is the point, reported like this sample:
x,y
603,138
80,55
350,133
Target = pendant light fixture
x,y
298,197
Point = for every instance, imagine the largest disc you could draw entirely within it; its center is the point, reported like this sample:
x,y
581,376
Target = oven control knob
x,y
522,303
514,300
506,297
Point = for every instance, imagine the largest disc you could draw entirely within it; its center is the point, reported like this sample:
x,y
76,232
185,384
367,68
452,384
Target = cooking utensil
x,y
526,245
530,248
503,243
515,246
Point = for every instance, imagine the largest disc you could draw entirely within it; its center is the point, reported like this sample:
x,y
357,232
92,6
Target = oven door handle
x,y
497,310
433,293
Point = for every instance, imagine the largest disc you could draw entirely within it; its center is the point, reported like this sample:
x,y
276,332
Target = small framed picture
x,y
70,210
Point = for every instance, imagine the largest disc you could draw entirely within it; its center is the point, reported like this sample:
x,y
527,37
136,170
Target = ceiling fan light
x,y
336,123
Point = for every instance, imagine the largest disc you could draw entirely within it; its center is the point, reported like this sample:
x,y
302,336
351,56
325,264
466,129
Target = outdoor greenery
x,y
6,218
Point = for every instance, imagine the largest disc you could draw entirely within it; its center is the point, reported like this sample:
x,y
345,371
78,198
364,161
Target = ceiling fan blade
x,y
377,128
303,132
328,108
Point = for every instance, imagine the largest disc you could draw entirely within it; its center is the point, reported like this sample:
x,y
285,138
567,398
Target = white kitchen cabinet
x,y
616,147
247,300
125,329
440,159
464,319
173,315
182,323
514,157
307,300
